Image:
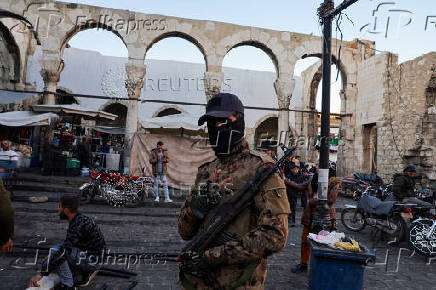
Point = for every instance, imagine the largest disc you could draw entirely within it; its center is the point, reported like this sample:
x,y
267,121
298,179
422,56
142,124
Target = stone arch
x,y
184,36
118,108
67,91
111,102
29,25
169,107
272,117
92,25
13,52
340,66
257,44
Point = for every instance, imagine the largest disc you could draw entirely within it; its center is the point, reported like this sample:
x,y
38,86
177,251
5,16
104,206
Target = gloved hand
x,y
195,264
206,198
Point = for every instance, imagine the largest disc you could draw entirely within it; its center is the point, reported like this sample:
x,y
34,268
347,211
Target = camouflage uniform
x,y
262,229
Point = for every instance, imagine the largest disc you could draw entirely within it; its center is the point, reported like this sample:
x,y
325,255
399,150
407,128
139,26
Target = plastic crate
x,y
332,269
73,163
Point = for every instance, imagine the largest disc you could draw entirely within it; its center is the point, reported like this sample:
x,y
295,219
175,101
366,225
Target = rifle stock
x,y
231,208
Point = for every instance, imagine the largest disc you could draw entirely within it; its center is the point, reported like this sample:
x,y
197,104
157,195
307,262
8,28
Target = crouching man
x,y
75,260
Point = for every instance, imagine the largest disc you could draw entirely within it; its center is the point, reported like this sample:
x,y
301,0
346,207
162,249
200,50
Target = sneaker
x,y
300,268
156,199
168,200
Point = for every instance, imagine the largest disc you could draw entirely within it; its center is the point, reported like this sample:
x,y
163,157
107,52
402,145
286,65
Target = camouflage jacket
x,y
262,229
6,216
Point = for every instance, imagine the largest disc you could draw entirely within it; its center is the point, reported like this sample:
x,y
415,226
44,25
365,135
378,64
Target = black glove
x,y
195,264
205,199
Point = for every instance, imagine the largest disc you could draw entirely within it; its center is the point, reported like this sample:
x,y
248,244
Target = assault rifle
x,y
231,208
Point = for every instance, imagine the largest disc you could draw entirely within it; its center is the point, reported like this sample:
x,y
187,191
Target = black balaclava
x,y
225,138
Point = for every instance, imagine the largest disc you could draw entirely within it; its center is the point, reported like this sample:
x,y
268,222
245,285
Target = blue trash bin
x,y
332,269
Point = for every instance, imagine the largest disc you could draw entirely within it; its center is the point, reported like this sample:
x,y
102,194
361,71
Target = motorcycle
x,y
422,236
118,190
390,217
356,185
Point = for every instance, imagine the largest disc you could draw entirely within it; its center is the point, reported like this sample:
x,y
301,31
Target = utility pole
x,y
326,12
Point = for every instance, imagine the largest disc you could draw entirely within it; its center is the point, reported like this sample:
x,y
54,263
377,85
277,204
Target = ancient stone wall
x,y
406,135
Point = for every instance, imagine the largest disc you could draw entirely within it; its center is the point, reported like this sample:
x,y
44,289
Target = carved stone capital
x,y
284,90
212,83
135,80
51,70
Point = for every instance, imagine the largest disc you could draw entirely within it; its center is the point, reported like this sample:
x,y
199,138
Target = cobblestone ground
x,y
154,229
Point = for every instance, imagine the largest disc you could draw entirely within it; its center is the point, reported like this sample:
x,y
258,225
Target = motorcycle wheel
x,y
398,232
417,237
352,219
85,197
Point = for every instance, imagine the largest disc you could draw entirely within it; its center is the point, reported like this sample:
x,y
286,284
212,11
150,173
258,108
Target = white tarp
x,y
9,97
73,109
26,118
172,122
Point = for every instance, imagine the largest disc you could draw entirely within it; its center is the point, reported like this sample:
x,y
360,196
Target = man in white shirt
x,y
8,159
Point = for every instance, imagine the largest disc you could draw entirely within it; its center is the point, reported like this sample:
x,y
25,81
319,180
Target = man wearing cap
x,y
159,160
259,231
403,186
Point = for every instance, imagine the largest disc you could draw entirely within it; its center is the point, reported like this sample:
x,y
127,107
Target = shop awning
x,y
10,97
26,118
74,109
172,122
111,130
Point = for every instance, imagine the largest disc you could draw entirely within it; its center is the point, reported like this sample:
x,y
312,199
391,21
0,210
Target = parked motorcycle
x,y
422,236
118,190
390,217
356,185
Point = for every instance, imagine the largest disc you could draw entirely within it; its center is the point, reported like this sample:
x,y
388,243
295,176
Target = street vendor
x,y
334,185
8,159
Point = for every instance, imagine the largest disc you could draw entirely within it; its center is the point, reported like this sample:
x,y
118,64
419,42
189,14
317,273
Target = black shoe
x,y
292,224
300,268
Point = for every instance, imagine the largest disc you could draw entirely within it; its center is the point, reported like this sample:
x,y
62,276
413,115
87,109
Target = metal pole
x,y
327,12
321,219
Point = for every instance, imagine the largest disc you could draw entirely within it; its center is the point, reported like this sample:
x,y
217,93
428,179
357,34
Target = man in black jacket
x,y
84,242
404,186
295,187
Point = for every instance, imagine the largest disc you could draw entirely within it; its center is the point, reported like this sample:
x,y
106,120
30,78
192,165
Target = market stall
x,y
22,128
67,152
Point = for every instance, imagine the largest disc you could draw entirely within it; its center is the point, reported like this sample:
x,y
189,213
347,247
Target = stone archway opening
x,y
10,64
117,109
168,112
65,97
176,66
310,70
266,134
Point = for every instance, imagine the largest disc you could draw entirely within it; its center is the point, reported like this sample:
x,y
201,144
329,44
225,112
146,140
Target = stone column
x,y
284,89
50,72
212,83
134,84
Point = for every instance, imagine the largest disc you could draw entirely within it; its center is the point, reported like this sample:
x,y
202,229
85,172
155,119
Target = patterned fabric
x,y
84,234
240,264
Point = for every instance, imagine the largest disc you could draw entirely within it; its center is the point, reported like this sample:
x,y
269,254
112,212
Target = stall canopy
x,y
178,121
26,118
9,97
74,109
111,130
